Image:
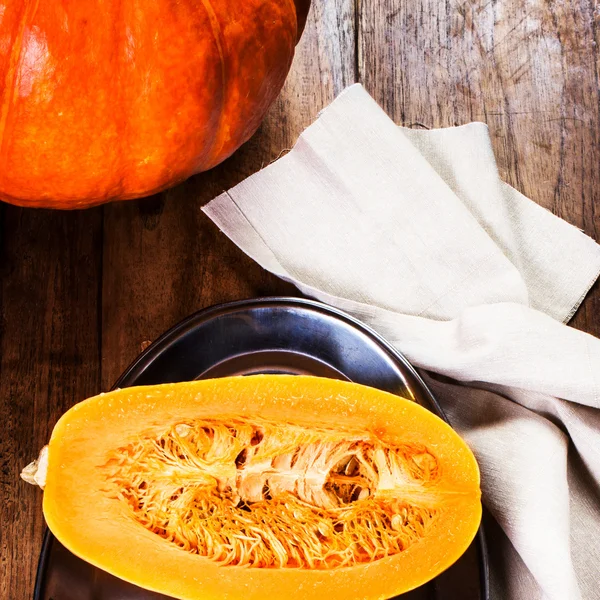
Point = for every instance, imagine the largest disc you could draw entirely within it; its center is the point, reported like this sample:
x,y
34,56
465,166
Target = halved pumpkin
x,y
261,487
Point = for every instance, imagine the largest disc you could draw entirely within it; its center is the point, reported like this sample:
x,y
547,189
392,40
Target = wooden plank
x,y
49,360
163,259
529,69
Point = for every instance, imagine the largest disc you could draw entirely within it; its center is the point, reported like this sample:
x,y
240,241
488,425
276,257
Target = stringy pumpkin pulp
x,y
259,494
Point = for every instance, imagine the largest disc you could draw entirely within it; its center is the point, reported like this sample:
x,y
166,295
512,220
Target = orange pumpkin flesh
x,y
262,487
120,99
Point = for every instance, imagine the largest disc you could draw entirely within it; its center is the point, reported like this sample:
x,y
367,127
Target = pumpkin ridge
x,y
218,139
294,7
12,76
119,93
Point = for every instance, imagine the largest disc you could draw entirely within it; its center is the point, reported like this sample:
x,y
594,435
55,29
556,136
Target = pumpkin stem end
x,y
35,472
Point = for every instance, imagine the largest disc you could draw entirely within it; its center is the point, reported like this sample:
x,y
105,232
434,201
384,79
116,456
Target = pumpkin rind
x,y
88,519
117,100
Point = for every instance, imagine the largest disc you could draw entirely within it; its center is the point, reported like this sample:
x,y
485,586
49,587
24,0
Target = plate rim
x,y
172,334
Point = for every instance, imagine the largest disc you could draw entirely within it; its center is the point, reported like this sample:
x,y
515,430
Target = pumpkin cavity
x,y
256,493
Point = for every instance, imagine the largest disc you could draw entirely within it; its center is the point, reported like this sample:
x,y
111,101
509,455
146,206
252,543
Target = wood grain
x,y
49,351
82,291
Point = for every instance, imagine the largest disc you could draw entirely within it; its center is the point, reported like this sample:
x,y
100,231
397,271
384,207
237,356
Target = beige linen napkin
x,y
414,233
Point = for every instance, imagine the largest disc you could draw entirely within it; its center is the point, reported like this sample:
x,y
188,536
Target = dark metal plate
x,y
272,335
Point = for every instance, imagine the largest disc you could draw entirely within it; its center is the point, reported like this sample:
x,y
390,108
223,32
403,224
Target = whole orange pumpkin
x,y
116,99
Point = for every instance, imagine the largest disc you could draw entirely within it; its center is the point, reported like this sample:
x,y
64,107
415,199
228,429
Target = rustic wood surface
x,y
80,292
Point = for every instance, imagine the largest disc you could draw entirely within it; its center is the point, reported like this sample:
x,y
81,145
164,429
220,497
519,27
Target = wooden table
x,y
81,292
